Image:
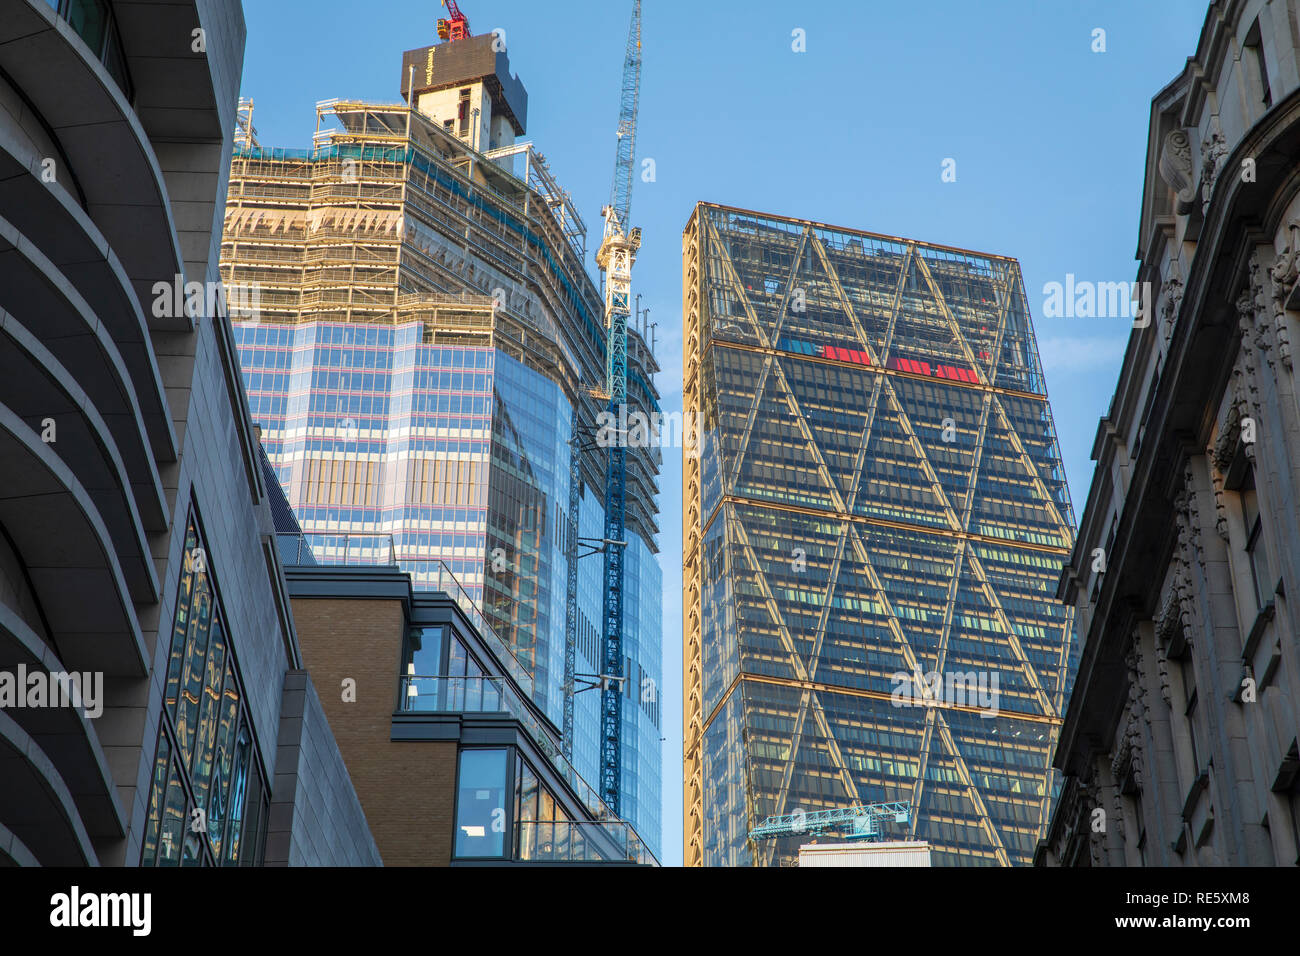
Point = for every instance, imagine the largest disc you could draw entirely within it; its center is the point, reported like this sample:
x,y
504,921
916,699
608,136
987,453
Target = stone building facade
x,y
1179,746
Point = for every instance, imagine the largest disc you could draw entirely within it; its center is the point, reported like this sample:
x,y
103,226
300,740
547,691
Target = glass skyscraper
x,y
873,534
421,343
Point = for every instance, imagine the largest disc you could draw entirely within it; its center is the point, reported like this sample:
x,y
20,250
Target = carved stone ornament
x,y
1245,388
1175,167
1089,800
1216,478
1172,299
1284,273
1188,515
1117,801
1214,150
1186,599
1137,713
1162,649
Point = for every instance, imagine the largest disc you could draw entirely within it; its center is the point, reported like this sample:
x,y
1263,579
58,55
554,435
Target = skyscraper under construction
x,y
422,345
873,534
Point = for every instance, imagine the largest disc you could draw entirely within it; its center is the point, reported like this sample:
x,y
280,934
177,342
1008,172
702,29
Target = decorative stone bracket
x,y
1175,167
1283,274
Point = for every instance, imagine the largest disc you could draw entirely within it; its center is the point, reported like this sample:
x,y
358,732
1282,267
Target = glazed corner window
x,y
481,803
1256,552
208,802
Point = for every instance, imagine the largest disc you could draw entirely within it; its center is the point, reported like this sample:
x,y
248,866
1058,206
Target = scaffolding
x,y
387,214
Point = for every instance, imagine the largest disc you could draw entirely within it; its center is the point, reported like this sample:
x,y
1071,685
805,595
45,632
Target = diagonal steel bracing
x,y
844,501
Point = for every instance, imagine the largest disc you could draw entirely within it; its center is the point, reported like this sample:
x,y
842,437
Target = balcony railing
x,y
440,578
370,550
569,842
459,695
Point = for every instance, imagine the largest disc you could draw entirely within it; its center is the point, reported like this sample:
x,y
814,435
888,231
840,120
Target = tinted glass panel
x,y
480,803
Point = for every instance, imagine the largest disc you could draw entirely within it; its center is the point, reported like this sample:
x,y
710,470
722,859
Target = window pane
x,y
426,651
115,63
174,821
223,762
1249,505
193,851
250,853
89,18
209,709
157,793
528,789
184,610
456,659
192,669
480,806
238,794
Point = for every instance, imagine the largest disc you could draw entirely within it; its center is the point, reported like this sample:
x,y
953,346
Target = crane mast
x,y
455,26
617,254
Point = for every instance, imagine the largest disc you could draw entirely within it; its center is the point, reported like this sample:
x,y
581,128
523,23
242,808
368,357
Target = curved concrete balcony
x,y
64,734
45,303
36,804
48,216
36,387
73,570
112,163
13,852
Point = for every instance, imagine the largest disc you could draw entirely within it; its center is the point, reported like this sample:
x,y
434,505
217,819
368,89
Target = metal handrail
x,y
577,841
382,542
446,581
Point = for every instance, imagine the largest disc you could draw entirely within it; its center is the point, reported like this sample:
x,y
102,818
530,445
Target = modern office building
x,y
425,351
873,532
153,705
1179,746
454,762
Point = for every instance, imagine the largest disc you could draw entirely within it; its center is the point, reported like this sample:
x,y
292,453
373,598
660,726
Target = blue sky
x,y
1049,140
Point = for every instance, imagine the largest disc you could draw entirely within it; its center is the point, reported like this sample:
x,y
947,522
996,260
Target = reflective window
x,y
881,493
89,18
208,802
481,803
424,658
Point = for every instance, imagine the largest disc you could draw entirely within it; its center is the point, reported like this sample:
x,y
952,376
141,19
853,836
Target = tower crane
x,y
455,26
618,249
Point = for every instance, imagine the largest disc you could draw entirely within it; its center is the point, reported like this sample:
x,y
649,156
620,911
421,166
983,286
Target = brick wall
x,y
407,789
